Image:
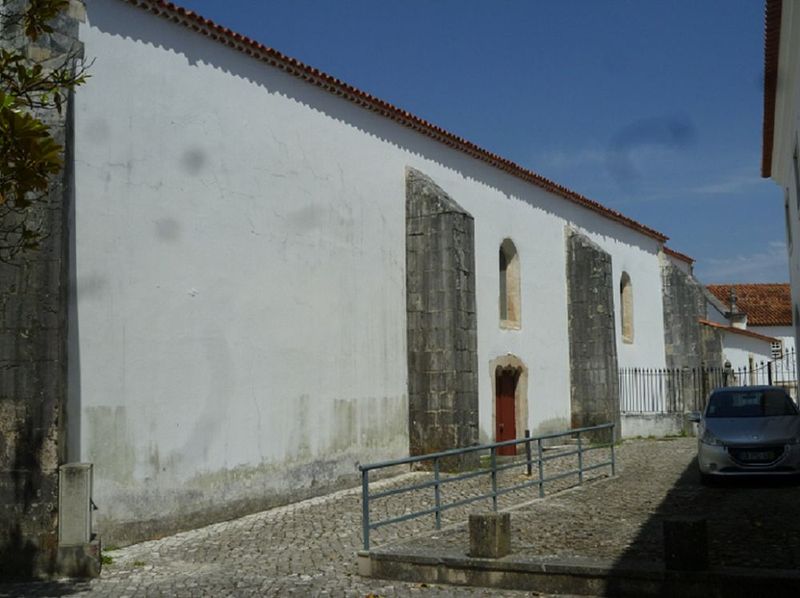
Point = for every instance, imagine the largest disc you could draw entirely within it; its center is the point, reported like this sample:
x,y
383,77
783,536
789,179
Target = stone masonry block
x,y
489,535
592,342
440,285
32,345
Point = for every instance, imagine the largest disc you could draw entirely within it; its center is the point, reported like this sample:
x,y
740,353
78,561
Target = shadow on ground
x,y
751,522
31,589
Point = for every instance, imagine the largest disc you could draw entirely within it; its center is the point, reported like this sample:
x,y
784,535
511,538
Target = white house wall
x,y
783,333
648,324
739,350
238,321
786,138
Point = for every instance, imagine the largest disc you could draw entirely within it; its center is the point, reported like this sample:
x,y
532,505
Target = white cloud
x,y
770,265
727,186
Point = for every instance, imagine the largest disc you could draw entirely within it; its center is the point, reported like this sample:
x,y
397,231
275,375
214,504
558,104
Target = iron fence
x,y
678,390
534,460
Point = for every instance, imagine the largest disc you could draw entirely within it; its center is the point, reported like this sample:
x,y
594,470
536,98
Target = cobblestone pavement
x,y
304,549
751,523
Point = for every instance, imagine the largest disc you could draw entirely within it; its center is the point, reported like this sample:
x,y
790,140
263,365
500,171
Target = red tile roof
x,y
764,304
316,77
678,255
772,44
742,331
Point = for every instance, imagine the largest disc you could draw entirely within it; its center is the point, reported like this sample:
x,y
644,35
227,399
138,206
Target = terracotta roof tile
x,y
337,87
764,304
742,331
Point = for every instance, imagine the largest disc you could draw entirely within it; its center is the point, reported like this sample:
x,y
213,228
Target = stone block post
x,y
489,535
78,548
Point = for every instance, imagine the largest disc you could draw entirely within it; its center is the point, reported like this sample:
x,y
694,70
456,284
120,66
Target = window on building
x,y
510,307
776,349
626,307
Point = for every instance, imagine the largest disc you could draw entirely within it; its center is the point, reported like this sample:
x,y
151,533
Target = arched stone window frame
x,y
626,308
510,299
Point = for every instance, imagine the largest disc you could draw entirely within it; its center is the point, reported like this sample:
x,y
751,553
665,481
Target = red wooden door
x,y
505,426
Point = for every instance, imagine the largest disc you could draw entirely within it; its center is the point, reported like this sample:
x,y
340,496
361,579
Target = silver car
x,y
748,430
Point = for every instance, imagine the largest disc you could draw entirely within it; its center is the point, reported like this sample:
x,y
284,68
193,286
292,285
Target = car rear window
x,y
766,403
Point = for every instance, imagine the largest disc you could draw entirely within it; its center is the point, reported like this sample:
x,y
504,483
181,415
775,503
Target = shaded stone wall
x,y
687,343
594,381
711,346
33,354
442,324
684,303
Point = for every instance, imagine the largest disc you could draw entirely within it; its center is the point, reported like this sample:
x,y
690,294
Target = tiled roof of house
x,y
337,87
742,331
764,304
772,44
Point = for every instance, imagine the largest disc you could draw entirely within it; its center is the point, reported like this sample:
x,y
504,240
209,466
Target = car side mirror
x,y
694,417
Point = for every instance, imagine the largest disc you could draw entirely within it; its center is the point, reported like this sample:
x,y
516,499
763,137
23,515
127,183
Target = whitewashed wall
x,y
238,321
739,349
786,138
647,348
783,333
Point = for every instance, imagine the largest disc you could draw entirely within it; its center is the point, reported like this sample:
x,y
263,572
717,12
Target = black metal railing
x,y
534,460
678,390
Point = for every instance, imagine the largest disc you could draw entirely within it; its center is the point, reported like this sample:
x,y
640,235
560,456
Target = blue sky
x,y
651,108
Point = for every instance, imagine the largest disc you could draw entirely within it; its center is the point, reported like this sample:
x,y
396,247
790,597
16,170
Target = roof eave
x,y
739,331
252,48
772,43
678,255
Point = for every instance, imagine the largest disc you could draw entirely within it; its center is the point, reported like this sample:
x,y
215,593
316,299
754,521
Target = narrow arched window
x,y
626,307
510,308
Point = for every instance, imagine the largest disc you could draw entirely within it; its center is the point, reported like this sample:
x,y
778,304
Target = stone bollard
x,y
686,543
78,547
489,535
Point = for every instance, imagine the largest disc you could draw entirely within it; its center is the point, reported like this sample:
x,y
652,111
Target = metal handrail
x,y
438,507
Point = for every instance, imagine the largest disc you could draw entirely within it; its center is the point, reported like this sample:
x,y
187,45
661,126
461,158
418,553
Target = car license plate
x,y
755,455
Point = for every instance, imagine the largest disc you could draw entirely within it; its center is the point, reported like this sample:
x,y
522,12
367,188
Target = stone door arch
x,y
509,377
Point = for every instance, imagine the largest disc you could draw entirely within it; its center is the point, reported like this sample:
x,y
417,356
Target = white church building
x,y
274,276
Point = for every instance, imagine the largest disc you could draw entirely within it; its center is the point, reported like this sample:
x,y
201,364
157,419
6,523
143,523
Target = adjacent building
x,y
781,123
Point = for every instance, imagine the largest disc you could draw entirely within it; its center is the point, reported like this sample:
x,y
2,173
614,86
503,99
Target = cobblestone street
x,y
308,548
304,549
750,521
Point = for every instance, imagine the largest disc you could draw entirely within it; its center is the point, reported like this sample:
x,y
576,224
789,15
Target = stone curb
x,y
578,575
